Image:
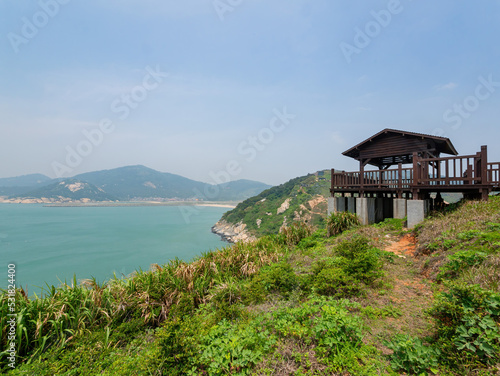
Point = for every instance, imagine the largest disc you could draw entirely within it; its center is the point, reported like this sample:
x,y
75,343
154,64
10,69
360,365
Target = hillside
x,y
31,180
300,199
374,300
22,184
131,182
67,190
140,183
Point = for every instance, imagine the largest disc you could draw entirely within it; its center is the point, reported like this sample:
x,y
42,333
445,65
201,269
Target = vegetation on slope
x,y
297,303
72,189
306,197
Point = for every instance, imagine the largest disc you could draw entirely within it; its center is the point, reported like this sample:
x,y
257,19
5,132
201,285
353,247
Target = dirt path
x,y
408,296
405,246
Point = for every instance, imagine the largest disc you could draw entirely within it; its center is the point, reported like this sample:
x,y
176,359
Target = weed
x,y
339,222
412,356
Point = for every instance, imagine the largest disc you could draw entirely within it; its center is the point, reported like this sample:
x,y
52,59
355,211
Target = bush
x,y
339,222
412,356
460,261
334,281
467,319
275,278
359,260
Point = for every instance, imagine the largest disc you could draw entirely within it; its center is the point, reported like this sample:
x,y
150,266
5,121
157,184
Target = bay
x,y
50,245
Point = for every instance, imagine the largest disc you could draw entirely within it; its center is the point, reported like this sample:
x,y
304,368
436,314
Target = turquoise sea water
x,y
49,245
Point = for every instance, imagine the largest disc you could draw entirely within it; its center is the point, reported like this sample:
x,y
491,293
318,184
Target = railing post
x,y
400,180
484,165
416,171
361,178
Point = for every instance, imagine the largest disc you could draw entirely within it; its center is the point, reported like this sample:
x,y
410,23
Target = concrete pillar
x,y
399,208
365,209
416,211
336,204
331,205
351,204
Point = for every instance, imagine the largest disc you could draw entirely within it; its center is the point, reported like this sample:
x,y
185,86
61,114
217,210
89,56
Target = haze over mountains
x,y
124,184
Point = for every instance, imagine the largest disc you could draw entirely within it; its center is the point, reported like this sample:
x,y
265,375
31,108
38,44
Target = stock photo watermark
x,y
11,316
222,7
31,26
122,108
463,110
365,35
248,149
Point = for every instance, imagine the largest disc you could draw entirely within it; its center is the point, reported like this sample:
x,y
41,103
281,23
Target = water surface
x,y
49,245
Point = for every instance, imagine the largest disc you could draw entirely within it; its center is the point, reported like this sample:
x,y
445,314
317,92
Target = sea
x,y
52,245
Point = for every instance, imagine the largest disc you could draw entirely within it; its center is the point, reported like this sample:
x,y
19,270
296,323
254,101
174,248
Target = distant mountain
x,y
70,190
31,180
22,184
140,182
131,182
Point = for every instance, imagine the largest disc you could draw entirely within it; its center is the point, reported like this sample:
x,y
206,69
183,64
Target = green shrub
x,y
359,260
339,222
460,261
412,356
231,350
391,224
467,321
334,281
276,278
337,328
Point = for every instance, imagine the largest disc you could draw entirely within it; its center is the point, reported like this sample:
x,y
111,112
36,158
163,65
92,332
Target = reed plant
x,y
339,222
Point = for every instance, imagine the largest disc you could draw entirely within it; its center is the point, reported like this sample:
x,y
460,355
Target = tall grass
x,y
176,289
339,222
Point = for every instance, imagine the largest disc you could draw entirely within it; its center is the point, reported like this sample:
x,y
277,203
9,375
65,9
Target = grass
x,y
298,302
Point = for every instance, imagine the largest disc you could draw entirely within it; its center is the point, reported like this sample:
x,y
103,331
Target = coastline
x,y
229,205
232,233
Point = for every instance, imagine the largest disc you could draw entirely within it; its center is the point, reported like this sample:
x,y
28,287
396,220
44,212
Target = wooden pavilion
x,y
471,175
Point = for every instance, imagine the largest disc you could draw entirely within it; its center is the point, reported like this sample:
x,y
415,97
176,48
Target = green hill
x,y
31,180
300,199
22,184
132,182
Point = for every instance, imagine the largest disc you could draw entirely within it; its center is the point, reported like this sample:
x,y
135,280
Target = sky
x,y
265,90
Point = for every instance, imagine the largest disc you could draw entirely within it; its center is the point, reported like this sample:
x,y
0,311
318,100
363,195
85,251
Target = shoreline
x,y
229,205
215,204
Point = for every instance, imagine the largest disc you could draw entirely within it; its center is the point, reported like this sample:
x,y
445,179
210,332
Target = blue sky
x,y
336,72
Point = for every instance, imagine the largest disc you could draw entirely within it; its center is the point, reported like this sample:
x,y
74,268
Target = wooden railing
x,y
468,170
494,174
463,170
392,178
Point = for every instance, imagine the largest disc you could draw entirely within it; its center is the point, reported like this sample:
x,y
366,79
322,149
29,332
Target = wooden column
x,y
416,177
400,180
361,178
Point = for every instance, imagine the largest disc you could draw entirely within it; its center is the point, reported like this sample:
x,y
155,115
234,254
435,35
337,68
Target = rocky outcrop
x,y
284,206
232,233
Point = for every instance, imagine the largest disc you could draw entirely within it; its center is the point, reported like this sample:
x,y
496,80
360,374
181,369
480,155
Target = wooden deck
x,y
470,174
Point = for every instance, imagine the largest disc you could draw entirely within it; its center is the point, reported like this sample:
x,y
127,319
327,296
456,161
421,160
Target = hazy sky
x,y
264,90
